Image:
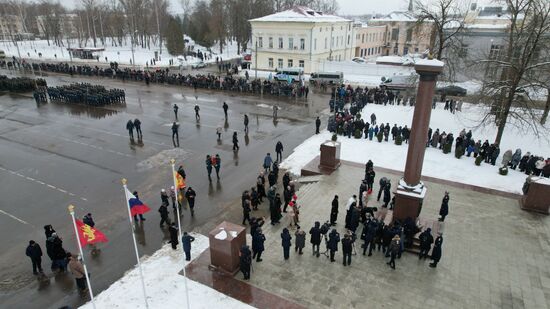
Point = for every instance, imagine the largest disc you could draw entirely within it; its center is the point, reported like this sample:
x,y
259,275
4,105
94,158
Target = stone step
x,y
309,179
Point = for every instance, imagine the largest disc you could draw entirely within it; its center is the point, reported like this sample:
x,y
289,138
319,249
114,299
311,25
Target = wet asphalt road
x,y
54,155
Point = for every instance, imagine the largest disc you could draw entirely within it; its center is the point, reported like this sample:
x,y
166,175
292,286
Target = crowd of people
x,y
349,122
84,93
362,223
61,259
20,84
228,82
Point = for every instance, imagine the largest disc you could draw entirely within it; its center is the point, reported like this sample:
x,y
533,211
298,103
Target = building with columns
x,y
300,37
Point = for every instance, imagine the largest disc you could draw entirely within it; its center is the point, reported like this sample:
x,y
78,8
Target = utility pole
x,y
256,61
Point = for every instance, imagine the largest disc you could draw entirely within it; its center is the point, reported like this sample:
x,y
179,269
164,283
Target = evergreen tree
x,y
174,38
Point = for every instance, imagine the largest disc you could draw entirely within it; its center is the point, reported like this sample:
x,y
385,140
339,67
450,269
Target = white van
x,y
336,78
296,74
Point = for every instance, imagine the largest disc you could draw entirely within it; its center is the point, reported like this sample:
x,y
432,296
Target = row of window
x,y
405,50
370,37
370,51
302,45
280,62
395,34
290,45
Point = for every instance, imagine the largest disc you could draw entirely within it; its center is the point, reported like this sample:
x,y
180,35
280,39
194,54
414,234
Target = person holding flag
x,y
180,183
85,235
136,206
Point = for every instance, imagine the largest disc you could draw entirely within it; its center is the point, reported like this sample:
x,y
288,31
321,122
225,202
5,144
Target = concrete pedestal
x,y
408,201
537,197
226,241
330,155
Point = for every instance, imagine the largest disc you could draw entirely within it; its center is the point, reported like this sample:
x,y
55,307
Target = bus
x,y
294,74
336,78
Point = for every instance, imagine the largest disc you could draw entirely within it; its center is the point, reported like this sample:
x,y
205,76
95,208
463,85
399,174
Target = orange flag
x,y
180,181
89,235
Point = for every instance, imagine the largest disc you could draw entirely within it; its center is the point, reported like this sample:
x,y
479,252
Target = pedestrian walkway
x,y
494,255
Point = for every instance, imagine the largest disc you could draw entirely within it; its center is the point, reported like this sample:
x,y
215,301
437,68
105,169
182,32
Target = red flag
x,y
89,235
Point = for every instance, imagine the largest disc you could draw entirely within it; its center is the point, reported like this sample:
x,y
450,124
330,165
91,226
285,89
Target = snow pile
x,y
121,54
165,287
436,164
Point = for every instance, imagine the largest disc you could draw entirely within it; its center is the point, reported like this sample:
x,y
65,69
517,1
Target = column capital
x,y
429,68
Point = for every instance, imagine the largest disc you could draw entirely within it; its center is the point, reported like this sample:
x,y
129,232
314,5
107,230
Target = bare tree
x,y
447,17
514,70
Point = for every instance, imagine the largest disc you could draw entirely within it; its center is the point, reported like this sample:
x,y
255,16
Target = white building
x,y
300,37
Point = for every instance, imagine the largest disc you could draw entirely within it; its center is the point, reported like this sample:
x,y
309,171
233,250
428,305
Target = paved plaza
x,y
495,255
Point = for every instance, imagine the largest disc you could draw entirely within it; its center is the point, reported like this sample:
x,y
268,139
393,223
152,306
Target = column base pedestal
x,y
408,201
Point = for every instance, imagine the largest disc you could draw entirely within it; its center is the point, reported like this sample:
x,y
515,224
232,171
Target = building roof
x,y
398,16
301,14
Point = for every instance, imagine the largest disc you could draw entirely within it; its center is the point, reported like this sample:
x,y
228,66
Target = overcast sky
x,y
347,7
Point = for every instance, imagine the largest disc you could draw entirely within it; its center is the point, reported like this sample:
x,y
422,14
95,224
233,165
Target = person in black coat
x,y
163,210
186,241
382,183
48,230
56,252
190,195
35,254
286,180
333,240
275,209
426,240
387,193
279,151
362,188
347,248
334,211
130,128
436,252
88,220
173,229
137,125
272,178
315,238
235,142
444,210
317,125
245,260
367,235
286,242
287,195
354,218
258,240
369,177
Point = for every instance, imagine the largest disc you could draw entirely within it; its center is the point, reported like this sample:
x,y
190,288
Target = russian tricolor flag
x,y
136,206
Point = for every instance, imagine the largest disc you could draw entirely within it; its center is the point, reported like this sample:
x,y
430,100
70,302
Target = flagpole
x,y
124,181
176,189
71,211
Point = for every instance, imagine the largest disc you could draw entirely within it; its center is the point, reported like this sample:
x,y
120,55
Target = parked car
x,y
358,60
452,90
198,65
2,54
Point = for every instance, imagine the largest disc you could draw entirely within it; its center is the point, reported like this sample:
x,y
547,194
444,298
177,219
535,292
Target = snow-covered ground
x,y
165,287
121,54
436,164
